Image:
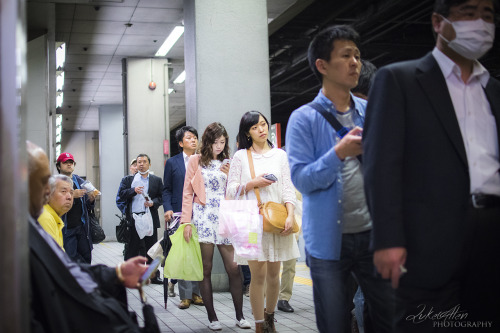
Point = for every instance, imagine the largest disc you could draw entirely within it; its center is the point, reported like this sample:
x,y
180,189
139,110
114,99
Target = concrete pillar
x,y
147,113
227,62
147,110
14,263
227,70
111,153
37,98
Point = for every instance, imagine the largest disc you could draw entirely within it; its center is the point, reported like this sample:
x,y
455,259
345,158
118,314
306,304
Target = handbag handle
x,y
252,173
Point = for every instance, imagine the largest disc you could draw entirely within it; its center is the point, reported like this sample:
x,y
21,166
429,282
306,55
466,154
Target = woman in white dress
x,y
204,187
253,135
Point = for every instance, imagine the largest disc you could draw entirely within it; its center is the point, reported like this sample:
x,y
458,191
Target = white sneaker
x,y
215,326
243,323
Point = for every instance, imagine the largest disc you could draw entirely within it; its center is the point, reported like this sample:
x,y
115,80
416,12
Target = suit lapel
x,y
180,162
433,83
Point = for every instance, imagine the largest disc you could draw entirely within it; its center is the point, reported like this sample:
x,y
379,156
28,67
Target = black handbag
x,y
96,231
122,230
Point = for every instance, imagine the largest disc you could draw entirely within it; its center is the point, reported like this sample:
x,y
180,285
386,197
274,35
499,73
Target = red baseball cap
x,y
64,157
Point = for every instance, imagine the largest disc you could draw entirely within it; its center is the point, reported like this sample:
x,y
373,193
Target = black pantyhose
x,y
233,272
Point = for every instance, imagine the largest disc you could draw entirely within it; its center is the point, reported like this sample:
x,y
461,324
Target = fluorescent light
x,y
58,121
59,100
180,78
170,90
58,149
170,41
60,56
60,81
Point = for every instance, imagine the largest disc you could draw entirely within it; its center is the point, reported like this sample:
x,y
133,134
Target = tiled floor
x,y
195,319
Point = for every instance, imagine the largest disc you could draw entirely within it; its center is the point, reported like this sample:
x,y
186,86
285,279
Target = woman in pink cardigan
x,y
204,187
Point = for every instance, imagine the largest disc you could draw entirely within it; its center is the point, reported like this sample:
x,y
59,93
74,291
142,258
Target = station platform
x,y
195,318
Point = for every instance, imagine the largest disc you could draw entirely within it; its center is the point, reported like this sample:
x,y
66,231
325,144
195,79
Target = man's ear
x,y
436,20
320,66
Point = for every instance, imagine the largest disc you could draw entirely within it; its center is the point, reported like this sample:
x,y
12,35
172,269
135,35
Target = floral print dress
x,y
206,218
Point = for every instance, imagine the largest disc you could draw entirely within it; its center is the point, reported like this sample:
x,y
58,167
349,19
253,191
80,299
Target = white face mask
x,y
143,172
473,38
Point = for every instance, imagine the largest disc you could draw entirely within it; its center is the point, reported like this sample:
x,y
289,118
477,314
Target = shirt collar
x,y
327,103
48,208
448,67
184,155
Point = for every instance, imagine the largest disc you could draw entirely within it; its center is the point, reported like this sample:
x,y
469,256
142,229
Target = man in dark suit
x,y
431,160
66,296
173,185
140,192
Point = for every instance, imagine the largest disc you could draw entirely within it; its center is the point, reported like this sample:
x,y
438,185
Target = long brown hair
x,y
212,133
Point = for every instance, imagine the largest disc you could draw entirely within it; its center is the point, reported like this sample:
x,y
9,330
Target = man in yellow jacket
x,y
60,202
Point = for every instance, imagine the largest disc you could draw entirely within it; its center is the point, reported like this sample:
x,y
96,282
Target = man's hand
x,y
132,270
138,189
350,144
91,196
389,262
148,203
188,233
78,193
168,215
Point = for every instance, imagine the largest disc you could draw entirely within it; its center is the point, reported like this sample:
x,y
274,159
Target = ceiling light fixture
x,y
170,41
60,56
180,78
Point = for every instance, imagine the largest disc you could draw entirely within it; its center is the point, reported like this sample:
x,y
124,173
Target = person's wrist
x,y
339,154
119,273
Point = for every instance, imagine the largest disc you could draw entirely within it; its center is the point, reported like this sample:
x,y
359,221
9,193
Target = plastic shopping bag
x,y
144,224
240,221
184,259
156,250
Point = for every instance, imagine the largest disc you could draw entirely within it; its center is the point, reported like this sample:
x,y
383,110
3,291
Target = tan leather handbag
x,y
273,213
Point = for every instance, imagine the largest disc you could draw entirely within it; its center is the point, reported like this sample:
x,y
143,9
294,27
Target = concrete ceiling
x,y
99,34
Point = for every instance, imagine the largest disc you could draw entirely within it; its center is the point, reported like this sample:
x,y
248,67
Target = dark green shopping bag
x,y
184,259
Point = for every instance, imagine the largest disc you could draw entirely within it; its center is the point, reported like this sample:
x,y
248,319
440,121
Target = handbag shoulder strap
x,y
330,118
341,130
252,173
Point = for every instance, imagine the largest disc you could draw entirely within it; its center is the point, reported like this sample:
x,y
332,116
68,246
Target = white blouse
x,y
274,161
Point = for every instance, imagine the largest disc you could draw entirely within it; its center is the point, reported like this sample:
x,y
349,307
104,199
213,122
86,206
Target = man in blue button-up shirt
x,y
326,169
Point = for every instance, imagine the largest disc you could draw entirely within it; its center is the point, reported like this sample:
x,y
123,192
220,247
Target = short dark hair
x,y
212,133
321,46
443,6
143,155
365,78
179,135
249,119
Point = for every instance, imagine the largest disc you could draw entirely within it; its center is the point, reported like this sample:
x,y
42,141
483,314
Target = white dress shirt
x,y
186,159
476,121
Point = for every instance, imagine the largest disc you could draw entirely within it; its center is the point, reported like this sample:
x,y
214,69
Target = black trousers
x,y
140,247
470,302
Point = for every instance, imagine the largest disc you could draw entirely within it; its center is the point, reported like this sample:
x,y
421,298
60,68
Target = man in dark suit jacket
x,y
66,296
431,162
173,185
141,191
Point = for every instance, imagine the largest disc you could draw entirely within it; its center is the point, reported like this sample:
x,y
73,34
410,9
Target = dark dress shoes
x,y
284,306
156,279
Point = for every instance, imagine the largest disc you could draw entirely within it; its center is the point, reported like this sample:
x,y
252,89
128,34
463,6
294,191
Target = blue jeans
x,y
77,244
331,297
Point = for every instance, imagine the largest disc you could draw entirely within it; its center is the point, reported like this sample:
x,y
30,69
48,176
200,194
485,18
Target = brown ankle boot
x,y
261,327
269,319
